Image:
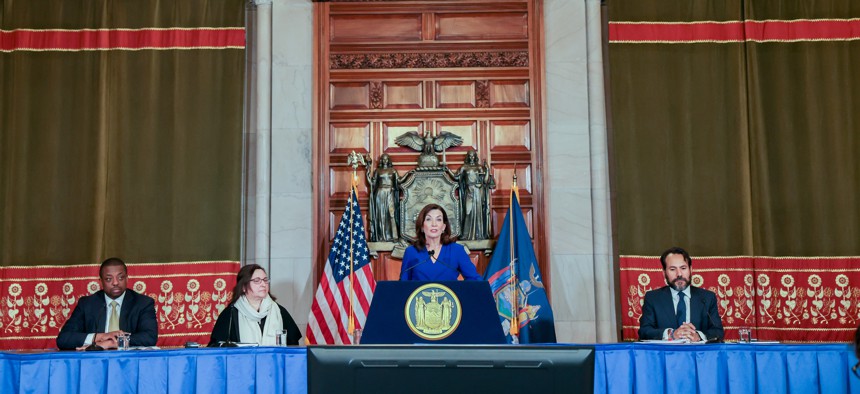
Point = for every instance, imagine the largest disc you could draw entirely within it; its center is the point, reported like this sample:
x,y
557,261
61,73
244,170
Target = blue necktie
x,y
681,310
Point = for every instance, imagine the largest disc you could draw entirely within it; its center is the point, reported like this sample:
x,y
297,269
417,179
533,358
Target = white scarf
x,y
249,321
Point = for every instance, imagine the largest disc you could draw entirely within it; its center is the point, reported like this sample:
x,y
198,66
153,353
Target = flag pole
x,y
351,325
354,160
515,302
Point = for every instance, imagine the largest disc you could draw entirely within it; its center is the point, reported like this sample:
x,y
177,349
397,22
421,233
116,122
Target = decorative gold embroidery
x,y
33,309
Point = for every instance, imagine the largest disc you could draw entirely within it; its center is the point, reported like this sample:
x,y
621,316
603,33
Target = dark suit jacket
x,y
136,316
227,327
658,313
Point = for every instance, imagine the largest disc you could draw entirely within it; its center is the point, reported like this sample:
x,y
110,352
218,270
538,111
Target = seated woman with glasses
x,y
253,316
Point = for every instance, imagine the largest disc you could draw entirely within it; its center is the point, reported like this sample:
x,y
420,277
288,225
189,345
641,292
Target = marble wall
x,y
583,285
292,205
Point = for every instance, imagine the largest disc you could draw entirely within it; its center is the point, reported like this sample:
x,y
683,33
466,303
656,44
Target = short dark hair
x,y
675,250
110,262
243,278
420,240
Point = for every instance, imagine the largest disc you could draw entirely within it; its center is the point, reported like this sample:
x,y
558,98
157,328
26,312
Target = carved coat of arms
x,y
396,200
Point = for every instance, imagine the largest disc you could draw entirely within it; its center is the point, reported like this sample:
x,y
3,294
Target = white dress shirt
x,y
667,334
91,337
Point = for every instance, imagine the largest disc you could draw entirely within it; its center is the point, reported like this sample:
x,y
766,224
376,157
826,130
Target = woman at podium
x,y
435,256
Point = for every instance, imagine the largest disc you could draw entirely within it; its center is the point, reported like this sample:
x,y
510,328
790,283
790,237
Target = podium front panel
x,y
387,321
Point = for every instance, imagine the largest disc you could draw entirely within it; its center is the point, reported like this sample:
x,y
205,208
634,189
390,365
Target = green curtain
x,y
128,153
735,148
805,151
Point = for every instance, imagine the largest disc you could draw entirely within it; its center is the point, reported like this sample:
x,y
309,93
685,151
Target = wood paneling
x,y
499,216
482,26
386,268
455,94
355,95
504,174
510,135
373,28
471,67
403,95
348,137
467,129
509,94
340,178
391,130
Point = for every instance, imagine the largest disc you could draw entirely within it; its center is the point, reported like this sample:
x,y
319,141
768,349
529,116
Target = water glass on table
x,y
122,341
744,335
281,337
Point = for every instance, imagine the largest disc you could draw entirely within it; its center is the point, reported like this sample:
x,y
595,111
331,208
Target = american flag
x,y
329,318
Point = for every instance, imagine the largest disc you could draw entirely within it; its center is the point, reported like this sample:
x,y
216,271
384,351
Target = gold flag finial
x,y
354,160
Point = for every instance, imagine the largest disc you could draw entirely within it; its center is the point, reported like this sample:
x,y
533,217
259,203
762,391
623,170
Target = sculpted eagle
x,y
428,145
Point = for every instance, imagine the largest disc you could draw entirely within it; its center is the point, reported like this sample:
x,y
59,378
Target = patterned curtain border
x,y
35,302
787,299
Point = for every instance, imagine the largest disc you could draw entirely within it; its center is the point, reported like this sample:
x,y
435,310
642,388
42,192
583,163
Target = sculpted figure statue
x,y
475,184
384,200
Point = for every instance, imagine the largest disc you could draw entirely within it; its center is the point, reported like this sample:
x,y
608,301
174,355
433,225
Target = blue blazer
x,y
658,313
136,316
451,263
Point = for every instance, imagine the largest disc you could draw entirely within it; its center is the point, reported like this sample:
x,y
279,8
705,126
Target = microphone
x,y
714,324
431,252
228,342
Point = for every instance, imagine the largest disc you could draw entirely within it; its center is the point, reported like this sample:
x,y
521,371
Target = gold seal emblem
x,y
433,311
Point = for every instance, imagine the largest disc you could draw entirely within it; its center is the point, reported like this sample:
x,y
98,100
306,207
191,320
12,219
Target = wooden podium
x,y
451,312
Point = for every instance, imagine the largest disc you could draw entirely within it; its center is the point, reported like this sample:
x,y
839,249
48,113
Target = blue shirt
x,y
451,262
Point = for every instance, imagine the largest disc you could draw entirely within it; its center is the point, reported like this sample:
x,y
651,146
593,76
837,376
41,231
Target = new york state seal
x,y
433,311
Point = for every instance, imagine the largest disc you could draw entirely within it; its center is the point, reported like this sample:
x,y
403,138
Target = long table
x,y
724,368
619,368
225,370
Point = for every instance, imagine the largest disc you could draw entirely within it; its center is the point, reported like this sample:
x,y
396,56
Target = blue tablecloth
x,y
619,368
724,368
237,370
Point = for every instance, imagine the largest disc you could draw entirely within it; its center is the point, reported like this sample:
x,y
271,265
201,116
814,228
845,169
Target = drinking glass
x,y
281,338
122,341
744,335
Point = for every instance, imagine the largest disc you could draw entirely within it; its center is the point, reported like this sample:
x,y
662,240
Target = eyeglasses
x,y
258,280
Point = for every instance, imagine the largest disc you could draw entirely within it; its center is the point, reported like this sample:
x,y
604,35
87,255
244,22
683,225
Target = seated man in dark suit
x,y
99,318
694,318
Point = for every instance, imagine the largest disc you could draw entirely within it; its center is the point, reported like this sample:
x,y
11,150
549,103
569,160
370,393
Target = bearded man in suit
x,y
114,310
678,310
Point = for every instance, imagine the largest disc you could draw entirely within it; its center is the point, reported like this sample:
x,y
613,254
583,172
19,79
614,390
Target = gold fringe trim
x,y
130,278
133,265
